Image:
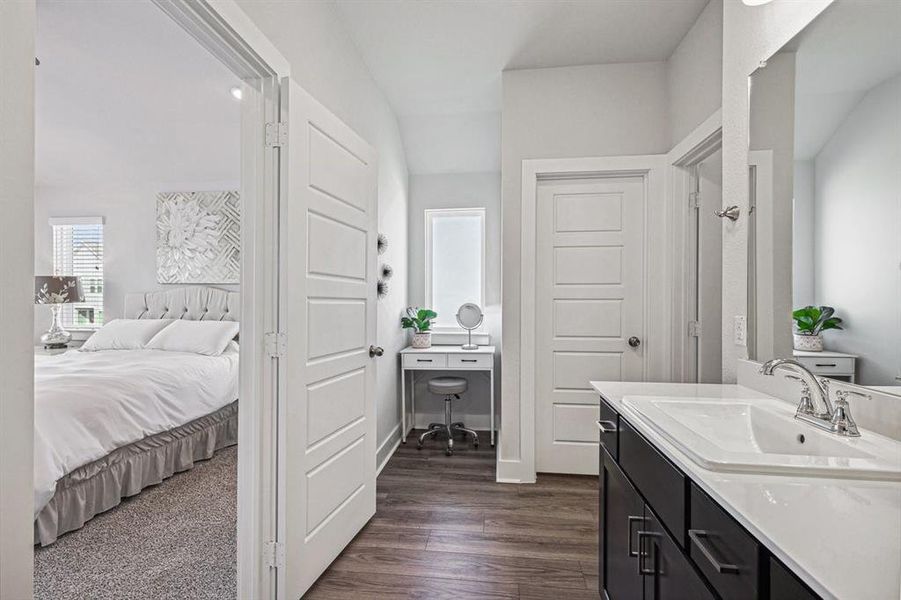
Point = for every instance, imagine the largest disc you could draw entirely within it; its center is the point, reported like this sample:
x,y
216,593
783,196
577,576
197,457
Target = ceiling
x,y
439,62
126,97
849,49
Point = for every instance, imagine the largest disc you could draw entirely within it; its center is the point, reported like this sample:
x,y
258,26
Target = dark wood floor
x,y
444,529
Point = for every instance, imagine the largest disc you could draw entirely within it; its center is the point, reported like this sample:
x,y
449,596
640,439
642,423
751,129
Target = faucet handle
x,y
806,405
842,423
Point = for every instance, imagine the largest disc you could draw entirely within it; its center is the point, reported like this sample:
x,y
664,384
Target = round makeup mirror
x,y
469,316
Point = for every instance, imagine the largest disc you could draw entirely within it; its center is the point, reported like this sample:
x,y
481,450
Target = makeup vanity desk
x,y
441,358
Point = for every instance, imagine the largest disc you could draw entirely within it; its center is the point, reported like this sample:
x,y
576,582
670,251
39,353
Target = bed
x,y
110,423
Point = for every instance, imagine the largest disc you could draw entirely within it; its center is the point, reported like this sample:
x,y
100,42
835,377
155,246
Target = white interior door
x,y
328,308
589,302
710,270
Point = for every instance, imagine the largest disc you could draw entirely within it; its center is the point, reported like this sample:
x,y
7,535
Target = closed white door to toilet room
x,y
589,316
326,401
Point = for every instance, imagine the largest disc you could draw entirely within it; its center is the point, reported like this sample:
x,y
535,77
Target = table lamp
x,y
56,290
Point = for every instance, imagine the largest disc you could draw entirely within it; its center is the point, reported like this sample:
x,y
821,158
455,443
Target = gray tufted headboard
x,y
193,303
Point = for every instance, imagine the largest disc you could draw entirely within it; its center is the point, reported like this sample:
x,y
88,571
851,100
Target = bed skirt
x,y
100,485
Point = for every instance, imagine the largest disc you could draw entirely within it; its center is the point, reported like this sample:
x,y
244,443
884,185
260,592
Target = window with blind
x,y
78,251
454,262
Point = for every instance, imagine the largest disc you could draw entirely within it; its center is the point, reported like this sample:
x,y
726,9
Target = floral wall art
x,y
198,237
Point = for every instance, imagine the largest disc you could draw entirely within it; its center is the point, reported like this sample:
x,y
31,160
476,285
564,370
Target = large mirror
x,y
825,224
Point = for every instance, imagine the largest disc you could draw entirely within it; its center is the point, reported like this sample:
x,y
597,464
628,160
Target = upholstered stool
x,y
450,388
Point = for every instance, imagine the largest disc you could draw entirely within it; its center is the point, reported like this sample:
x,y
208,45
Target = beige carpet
x,y
172,541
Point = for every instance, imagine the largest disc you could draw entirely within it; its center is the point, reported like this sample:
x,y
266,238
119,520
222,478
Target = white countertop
x,y
841,536
446,348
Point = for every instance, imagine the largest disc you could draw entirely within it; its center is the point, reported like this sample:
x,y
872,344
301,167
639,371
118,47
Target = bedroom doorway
x,y
112,237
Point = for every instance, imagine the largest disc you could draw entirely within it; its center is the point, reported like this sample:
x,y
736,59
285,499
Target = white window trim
x,y
78,333
430,214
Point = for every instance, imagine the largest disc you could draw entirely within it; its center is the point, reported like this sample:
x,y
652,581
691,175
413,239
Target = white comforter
x,y
87,404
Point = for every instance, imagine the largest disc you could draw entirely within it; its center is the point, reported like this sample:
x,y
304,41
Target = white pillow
x,y
125,334
202,337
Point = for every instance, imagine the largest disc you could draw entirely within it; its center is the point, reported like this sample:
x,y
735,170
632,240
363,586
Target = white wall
x,y
858,245
458,190
750,34
17,22
325,62
594,110
694,74
772,121
803,235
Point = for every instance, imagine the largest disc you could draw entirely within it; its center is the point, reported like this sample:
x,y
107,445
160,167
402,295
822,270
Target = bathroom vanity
x,y
808,527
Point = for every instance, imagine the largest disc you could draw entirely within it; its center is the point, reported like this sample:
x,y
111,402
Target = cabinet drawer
x,y
825,365
659,481
425,361
469,361
723,551
608,424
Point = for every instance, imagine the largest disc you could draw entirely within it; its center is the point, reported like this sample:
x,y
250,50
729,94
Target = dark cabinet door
x,y
622,517
668,574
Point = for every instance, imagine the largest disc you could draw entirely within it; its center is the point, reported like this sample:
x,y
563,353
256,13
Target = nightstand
x,y
39,350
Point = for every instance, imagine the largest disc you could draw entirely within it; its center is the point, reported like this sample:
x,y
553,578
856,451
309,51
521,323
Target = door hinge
x,y
276,135
274,555
694,329
276,344
694,199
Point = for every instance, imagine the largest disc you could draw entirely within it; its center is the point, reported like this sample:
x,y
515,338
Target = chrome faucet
x,y
815,406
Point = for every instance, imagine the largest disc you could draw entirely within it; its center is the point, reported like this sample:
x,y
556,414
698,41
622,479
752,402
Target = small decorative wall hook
x,y
381,289
732,213
387,272
382,244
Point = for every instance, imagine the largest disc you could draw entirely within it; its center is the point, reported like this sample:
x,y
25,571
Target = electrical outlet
x,y
740,330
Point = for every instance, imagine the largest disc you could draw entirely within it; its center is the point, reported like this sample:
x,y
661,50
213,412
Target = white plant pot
x,y
809,343
422,340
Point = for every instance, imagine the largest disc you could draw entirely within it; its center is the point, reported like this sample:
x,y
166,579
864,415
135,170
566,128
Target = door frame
x,y
223,29
701,143
648,167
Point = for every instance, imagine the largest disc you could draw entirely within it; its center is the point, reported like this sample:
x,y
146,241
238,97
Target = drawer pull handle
x,y
423,360
633,520
826,364
697,535
642,536
607,426
468,360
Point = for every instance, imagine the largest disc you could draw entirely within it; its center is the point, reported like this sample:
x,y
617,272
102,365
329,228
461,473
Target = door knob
x,y
376,351
634,342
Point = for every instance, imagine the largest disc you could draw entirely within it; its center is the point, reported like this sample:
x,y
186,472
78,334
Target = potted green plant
x,y
810,323
420,321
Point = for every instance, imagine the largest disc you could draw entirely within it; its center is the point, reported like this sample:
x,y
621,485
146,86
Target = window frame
x,y
430,215
68,316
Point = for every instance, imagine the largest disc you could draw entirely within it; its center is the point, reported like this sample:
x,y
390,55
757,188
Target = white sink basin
x,y
762,436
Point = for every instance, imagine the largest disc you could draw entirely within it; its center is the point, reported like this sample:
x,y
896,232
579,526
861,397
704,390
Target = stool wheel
x,y
475,444
448,451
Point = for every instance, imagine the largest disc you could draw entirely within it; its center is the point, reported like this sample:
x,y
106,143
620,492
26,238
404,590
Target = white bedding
x,y
87,404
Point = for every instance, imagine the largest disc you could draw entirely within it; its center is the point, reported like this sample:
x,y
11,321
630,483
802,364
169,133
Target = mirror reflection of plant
x,y
418,319
812,320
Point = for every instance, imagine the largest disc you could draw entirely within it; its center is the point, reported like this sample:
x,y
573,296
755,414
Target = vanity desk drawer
x,y
721,549
826,365
470,361
425,360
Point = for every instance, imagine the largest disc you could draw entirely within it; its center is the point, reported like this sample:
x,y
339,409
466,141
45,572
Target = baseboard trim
x,y
513,471
393,436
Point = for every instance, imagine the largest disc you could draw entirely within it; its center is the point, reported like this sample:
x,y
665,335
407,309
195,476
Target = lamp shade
x,y
57,289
